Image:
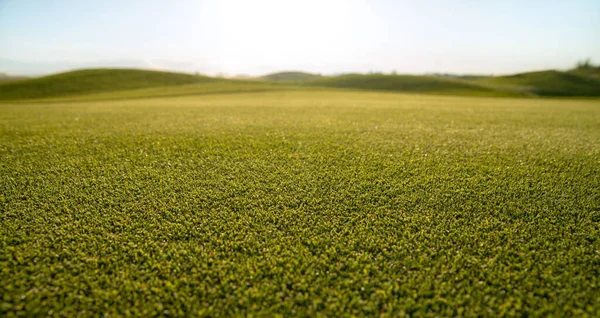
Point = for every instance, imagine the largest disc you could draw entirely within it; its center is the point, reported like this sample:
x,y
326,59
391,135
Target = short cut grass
x,y
301,204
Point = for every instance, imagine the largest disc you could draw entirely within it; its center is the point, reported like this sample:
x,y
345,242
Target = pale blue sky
x,y
325,36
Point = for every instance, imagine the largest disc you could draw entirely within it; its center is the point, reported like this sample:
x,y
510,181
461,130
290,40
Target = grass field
x,y
111,84
301,203
291,76
83,82
548,83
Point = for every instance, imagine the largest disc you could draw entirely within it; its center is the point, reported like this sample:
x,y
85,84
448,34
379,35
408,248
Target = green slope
x,y
290,76
408,83
213,87
8,78
548,83
93,81
593,72
575,83
129,83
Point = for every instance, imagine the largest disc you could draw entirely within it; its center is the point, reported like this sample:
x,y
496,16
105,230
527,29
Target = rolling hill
x,y
7,78
408,83
290,76
130,83
94,81
574,83
593,72
205,88
547,83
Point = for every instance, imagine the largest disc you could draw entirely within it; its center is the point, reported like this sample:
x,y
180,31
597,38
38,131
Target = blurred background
x,y
239,38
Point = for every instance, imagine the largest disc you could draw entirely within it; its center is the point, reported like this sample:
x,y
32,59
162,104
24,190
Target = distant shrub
x,y
585,64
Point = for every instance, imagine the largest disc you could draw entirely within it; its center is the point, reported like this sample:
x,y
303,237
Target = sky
x,y
256,37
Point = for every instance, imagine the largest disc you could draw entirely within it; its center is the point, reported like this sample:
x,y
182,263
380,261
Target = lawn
x,y
301,203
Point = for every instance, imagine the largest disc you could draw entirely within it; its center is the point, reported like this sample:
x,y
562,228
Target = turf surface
x,y
410,83
301,203
77,83
110,84
290,76
549,83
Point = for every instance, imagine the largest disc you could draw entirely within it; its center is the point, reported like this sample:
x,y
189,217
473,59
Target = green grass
x,y
112,84
102,84
575,83
302,204
9,78
213,87
409,83
93,81
549,83
593,72
290,76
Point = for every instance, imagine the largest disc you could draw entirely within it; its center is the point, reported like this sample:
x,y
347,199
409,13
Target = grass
x,y
549,83
7,78
409,83
301,203
93,81
108,84
290,76
216,87
533,84
593,72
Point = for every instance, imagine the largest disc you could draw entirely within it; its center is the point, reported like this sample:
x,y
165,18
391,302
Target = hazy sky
x,y
326,36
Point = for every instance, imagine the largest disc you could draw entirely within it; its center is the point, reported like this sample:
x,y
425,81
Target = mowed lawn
x,y
301,203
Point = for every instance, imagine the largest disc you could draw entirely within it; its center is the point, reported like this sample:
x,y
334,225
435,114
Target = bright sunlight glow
x,y
280,33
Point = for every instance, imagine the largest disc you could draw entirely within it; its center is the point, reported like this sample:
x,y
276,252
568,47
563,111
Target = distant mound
x,y
6,78
575,83
593,72
549,83
130,83
93,81
406,83
290,76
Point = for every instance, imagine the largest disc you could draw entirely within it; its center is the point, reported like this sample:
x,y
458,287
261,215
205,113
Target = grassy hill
x,y
408,83
575,83
94,81
547,83
290,76
129,83
593,72
6,78
206,88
